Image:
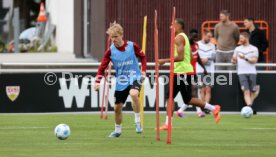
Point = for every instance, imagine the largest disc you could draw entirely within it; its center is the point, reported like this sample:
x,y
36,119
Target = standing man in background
x,y
246,57
257,38
227,35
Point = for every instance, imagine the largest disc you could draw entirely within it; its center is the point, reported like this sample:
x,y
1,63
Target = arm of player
x,y
143,59
201,64
264,41
216,35
237,35
180,43
252,60
213,55
204,60
101,70
234,58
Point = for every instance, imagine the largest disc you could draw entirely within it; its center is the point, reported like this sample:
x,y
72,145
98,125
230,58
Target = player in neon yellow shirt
x,y
182,73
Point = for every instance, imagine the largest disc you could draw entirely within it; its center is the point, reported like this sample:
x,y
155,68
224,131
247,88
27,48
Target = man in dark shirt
x,y
257,38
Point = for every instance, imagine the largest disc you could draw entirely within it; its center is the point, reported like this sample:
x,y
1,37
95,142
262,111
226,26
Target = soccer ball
x,y
247,112
62,131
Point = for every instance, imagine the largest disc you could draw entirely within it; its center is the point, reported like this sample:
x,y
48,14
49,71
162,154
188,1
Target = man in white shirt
x,y
207,54
246,56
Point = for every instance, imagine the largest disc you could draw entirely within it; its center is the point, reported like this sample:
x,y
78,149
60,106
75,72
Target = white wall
x,y
62,14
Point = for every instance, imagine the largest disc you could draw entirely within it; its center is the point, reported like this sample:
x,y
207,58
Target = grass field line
x,y
36,127
219,145
125,112
178,144
260,128
22,127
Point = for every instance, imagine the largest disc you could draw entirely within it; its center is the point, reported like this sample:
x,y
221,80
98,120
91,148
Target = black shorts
x,y
121,96
182,84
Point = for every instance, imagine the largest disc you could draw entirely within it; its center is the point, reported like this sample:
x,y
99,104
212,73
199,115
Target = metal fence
x,y
93,67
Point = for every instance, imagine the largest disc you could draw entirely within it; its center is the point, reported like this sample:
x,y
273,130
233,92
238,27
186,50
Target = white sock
x,y
209,107
198,109
137,117
167,120
183,108
118,128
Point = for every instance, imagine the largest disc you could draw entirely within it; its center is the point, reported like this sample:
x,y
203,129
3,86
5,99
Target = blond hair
x,y
115,28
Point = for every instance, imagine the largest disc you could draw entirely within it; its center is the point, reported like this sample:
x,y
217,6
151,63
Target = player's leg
x,y
213,108
256,93
228,57
118,113
180,111
245,87
118,120
134,93
207,97
207,94
254,88
202,93
220,59
175,91
186,93
165,125
120,98
247,97
135,100
207,87
199,112
200,90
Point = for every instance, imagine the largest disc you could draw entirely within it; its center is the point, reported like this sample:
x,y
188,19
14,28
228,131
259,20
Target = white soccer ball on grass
x,y
62,131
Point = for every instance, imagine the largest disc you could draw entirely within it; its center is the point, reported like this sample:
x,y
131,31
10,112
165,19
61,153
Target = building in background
x,y
5,6
130,14
80,25
61,14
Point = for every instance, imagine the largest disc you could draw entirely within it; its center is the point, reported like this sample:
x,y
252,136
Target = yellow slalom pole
x,y
142,88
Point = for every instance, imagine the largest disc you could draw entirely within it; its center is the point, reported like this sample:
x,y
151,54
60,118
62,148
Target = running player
x,y
123,55
195,60
182,68
207,53
246,56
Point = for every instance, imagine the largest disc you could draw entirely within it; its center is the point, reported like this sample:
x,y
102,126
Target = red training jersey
x,y
194,48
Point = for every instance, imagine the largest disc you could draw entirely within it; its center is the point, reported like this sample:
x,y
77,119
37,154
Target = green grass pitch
x,y
33,135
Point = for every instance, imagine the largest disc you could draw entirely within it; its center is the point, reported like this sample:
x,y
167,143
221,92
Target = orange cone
x,y
42,16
